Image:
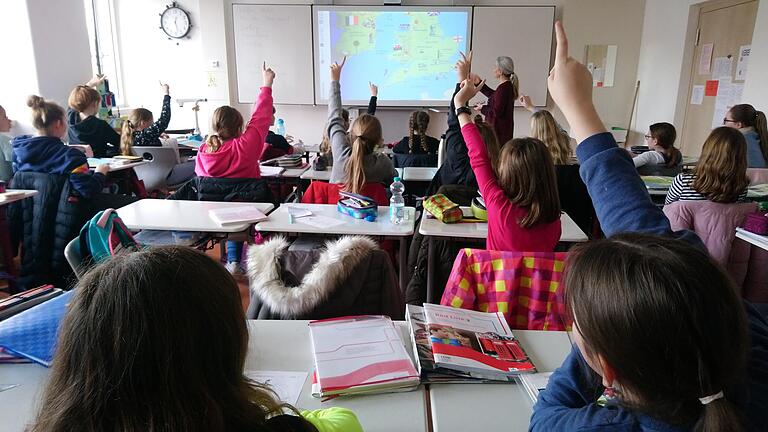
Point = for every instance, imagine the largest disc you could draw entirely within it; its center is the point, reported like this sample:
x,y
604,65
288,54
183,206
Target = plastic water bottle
x,y
397,202
280,127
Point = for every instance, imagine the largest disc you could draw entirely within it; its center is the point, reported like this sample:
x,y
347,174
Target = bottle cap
x,y
397,179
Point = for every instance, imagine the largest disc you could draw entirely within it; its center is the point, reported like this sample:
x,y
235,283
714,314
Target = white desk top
x,y
289,173
25,193
311,174
178,215
94,162
479,230
311,148
459,407
758,240
418,174
273,345
278,222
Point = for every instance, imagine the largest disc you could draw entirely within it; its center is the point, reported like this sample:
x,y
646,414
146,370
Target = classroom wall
x,y
19,71
756,84
589,22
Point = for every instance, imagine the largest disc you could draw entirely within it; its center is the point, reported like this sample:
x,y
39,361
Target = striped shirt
x,y
682,190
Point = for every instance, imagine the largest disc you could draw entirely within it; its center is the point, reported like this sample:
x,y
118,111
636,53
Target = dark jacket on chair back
x,y
224,189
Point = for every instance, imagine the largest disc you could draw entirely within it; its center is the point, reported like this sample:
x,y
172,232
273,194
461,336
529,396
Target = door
x,y
723,26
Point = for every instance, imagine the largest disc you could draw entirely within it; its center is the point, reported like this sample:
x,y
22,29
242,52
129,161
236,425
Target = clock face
x,y
175,22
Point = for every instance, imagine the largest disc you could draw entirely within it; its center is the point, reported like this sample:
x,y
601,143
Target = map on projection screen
x,y
410,53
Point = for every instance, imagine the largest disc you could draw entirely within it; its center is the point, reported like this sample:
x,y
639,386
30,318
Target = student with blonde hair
x,y
141,130
325,143
721,174
752,123
84,126
545,128
499,111
355,162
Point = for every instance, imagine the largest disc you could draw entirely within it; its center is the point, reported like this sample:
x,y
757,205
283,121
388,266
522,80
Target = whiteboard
x,y
281,35
521,32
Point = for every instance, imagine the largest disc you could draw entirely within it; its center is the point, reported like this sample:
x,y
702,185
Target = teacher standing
x,y
500,109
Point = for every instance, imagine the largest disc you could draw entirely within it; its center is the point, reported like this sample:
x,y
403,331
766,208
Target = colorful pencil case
x,y
357,206
443,208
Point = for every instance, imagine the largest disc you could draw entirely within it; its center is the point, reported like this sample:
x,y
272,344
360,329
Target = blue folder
x,y
32,334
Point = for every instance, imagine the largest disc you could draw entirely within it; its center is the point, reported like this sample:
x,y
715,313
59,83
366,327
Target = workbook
x,y
478,343
241,213
360,354
534,383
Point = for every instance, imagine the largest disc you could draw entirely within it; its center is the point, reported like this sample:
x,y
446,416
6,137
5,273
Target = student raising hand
x,y
166,89
464,66
268,75
336,69
570,85
469,88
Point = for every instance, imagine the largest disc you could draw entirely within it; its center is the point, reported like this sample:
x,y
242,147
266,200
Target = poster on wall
x,y
722,68
705,59
728,95
697,95
742,62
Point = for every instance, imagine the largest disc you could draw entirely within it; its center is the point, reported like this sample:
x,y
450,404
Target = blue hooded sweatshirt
x,y
44,154
622,204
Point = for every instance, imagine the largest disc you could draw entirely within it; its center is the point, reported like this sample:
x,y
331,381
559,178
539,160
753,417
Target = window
x,y
105,56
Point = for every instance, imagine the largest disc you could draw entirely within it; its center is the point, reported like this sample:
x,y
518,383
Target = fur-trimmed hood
x,y
335,264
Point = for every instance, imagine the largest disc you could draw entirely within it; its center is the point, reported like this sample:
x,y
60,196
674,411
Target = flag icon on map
x,y
458,39
352,20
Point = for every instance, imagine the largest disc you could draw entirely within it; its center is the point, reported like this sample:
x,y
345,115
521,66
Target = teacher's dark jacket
x,y
499,112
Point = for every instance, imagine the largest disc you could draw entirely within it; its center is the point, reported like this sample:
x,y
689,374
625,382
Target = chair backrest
x,y
715,223
161,162
525,286
328,193
414,160
757,175
85,148
659,170
74,258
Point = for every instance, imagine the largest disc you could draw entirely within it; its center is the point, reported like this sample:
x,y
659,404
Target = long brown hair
x,y
492,144
721,174
154,340
665,135
417,125
227,123
138,116
527,176
545,128
44,113
365,136
747,115
325,143
83,97
667,319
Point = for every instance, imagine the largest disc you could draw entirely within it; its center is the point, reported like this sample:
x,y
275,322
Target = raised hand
x,y
469,89
336,69
374,88
96,80
525,101
570,85
268,75
464,66
166,89
478,106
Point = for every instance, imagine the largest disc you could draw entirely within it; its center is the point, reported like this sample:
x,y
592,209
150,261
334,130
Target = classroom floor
x,y
242,280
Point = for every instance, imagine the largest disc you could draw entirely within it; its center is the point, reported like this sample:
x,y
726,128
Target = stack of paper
x,y
230,215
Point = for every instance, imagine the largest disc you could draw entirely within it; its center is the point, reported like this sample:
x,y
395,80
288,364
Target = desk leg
x,y
430,269
403,259
5,245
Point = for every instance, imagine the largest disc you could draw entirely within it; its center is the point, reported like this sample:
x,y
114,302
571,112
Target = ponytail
x,y
213,143
44,113
515,85
761,127
719,416
126,138
419,122
227,123
355,169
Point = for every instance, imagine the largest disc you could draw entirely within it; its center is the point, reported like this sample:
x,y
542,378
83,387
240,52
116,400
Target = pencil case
x,y
478,209
756,223
357,206
443,208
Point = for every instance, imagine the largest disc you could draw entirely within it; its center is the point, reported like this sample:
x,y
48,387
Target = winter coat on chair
x,y
44,224
347,276
224,189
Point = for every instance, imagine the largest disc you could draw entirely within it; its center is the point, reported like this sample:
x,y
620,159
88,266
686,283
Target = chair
x,y
312,279
525,286
85,148
757,175
162,161
414,160
328,193
75,260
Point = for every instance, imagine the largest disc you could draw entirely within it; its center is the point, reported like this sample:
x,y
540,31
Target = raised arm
x,y
157,128
374,98
336,130
253,137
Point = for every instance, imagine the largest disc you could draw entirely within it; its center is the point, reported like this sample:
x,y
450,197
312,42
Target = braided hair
x,y
418,123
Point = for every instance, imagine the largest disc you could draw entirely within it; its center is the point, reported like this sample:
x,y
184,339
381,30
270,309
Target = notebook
x,y
32,334
361,354
230,215
22,301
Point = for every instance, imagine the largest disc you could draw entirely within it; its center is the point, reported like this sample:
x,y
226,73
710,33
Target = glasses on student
x,y
727,120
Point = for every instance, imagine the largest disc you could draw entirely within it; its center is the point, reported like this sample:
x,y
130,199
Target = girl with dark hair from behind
x,y
657,347
752,123
178,364
661,142
417,141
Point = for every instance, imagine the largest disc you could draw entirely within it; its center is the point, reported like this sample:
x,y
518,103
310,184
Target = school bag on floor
x,y
103,236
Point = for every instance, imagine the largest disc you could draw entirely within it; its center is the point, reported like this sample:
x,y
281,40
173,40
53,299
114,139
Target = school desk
x,y
758,240
659,186
432,228
496,407
279,222
273,345
313,175
11,196
114,167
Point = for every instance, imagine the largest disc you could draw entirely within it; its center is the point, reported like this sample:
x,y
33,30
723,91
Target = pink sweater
x,y
239,157
504,232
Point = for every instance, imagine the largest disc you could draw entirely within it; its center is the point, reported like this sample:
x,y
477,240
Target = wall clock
x,y
175,22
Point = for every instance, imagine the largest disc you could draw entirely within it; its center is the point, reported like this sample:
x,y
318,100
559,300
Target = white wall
x,y
756,84
19,78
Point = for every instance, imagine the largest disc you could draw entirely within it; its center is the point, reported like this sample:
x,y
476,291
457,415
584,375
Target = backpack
x,y
103,236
